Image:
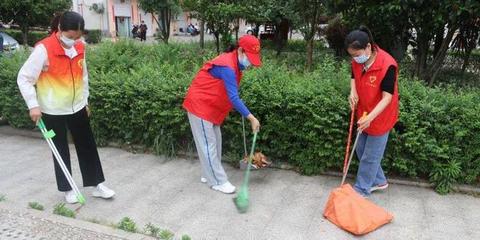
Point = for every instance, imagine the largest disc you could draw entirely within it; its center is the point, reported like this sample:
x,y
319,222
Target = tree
x,y
165,9
218,15
31,13
279,12
466,40
441,20
310,14
391,33
404,22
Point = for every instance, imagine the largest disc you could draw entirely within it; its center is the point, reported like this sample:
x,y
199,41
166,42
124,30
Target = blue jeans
x,y
370,150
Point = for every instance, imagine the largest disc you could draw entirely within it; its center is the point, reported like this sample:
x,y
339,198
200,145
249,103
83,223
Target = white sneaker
x,y
71,197
203,180
379,187
101,191
227,188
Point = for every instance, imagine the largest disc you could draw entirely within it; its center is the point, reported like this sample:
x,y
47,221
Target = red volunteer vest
x,y
60,86
207,97
370,92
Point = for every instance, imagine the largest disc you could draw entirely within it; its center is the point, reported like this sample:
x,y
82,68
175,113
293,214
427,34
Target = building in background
x,y
115,18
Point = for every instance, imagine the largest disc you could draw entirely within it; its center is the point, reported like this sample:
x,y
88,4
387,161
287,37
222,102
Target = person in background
x,y
143,31
210,97
135,31
374,90
54,83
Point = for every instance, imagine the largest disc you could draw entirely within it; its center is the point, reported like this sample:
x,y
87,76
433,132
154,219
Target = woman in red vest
x,y
211,96
54,83
374,90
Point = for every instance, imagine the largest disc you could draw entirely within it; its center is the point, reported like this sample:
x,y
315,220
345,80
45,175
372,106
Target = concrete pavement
x,y
168,193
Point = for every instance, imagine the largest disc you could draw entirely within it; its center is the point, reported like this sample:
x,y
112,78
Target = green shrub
x,y
137,91
152,230
61,210
94,36
186,237
36,206
12,105
2,197
32,36
127,224
166,235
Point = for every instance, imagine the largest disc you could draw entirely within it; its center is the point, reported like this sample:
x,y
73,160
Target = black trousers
x,y
79,126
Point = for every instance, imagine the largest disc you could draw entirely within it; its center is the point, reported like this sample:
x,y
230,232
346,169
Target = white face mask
x,y
361,59
244,61
67,41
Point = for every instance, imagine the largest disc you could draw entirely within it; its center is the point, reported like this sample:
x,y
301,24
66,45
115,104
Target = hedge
x,y
32,36
93,36
137,91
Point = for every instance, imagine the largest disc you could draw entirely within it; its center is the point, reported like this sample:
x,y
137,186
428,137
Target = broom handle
x,y
345,172
247,173
349,140
59,159
244,138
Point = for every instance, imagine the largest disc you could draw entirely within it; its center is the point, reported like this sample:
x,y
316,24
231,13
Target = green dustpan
x,y
241,201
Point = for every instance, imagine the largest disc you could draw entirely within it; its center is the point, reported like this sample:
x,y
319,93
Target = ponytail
x,y
54,23
231,48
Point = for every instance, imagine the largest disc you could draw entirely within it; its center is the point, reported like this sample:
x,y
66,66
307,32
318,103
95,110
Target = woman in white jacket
x,y
54,83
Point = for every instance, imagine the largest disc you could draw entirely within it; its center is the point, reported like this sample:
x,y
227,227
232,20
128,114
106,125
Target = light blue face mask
x,y
361,59
244,63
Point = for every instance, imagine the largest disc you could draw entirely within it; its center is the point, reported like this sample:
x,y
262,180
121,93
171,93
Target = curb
x,y
465,189
76,223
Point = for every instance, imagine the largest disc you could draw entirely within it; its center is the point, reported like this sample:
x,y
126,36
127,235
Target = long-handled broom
x,y
48,135
241,201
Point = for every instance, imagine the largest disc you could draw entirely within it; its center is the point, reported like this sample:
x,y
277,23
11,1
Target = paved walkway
x,y
168,193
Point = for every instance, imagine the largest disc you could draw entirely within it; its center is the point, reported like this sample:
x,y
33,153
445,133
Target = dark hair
x,y
54,23
358,39
231,48
71,21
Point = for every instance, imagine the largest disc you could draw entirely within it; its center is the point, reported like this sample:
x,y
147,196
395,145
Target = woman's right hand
x,y
35,114
353,98
254,122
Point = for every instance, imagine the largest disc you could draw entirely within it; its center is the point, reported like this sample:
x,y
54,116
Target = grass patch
x,y
186,237
158,233
36,206
127,224
61,210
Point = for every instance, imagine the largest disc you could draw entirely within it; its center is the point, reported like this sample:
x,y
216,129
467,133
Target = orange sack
x,y
350,211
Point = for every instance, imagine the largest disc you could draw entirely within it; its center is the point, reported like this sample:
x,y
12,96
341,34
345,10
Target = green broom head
x,y
241,201
81,199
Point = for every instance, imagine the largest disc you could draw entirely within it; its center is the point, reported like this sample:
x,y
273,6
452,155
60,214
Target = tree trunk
x,y
237,27
440,57
257,30
310,54
438,40
400,45
422,53
217,40
202,34
25,35
281,35
466,60
167,20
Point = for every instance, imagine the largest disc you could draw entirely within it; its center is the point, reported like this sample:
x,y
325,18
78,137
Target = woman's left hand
x,y
364,123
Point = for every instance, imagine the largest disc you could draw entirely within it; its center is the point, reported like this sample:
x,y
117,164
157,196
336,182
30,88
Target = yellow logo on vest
x,y
81,63
372,80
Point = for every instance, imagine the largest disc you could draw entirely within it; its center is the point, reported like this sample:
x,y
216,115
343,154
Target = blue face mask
x,y
244,63
361,59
